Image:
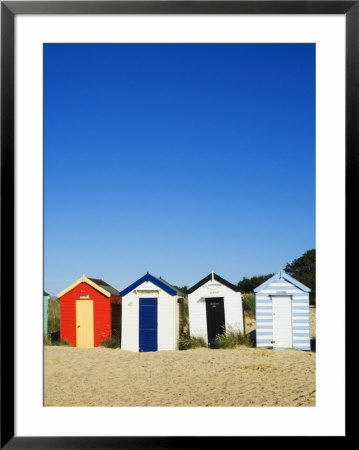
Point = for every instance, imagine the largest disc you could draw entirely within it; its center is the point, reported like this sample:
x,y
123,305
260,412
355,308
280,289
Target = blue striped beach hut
x,y
46,306
282,313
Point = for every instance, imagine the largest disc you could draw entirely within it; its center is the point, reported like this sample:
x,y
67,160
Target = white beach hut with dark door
x,y
214,307
152,312
282,313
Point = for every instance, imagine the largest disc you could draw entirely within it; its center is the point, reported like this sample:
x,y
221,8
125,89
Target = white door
x,y
282,322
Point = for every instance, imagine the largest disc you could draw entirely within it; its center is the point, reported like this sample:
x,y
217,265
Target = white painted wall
x,y
233,312
167,317
130,322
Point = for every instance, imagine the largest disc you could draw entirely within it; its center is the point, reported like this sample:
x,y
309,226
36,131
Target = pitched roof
x,y
285,276
112,290
100,285
46,294
160,282
215,277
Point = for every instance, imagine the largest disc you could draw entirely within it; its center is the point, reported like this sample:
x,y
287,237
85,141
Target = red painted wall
x,y
102,313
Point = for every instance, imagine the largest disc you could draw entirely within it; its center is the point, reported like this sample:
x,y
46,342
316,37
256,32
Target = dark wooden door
x,y
215,317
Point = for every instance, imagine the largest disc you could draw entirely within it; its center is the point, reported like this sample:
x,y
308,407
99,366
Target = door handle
x,y
78,326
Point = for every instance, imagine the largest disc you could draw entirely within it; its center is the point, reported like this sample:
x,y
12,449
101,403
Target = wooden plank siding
x,y
233,308
168,317
299,316
102,313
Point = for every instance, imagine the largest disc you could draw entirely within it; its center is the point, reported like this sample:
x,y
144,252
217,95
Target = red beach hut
x,y
90,312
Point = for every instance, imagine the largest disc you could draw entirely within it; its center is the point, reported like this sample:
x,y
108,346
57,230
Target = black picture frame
x,y
9,9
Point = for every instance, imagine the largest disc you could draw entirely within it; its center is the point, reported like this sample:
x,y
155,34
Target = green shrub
x,y
47,339
61,342
185,342
249,303
231,339
55,342
53,339
112,342
53,316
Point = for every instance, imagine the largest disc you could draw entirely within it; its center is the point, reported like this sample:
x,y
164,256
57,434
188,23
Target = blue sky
x,y
177,159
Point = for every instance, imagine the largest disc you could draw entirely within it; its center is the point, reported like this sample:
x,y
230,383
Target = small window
x,y
84,296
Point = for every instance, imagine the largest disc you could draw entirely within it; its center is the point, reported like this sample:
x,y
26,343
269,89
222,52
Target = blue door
x,y
148,324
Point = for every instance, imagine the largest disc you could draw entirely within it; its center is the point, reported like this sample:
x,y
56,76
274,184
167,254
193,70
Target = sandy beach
x,y
199,377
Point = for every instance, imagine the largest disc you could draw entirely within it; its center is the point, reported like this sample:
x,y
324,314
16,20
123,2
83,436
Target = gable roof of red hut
x,y
98,284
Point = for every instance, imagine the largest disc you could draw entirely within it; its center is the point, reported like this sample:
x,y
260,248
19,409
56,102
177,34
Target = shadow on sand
x,y
312,345
252,337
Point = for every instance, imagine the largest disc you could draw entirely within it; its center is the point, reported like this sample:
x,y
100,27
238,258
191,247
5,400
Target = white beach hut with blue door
x,y
151,315
215,306
282,313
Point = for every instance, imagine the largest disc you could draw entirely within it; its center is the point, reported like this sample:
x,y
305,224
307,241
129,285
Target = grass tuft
x,y
186,342
231,339
57,343
62,342
112,342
